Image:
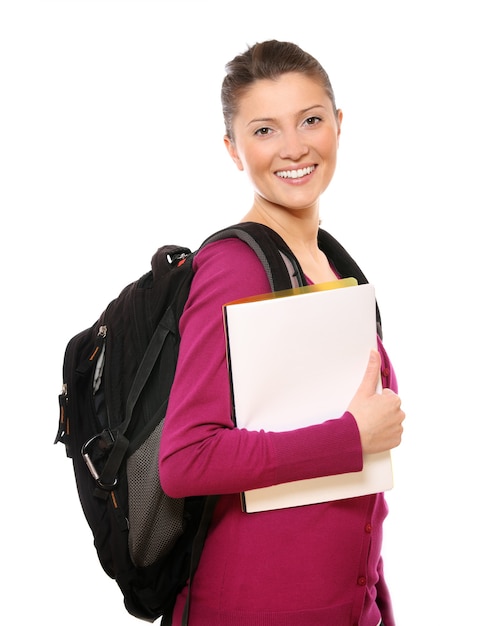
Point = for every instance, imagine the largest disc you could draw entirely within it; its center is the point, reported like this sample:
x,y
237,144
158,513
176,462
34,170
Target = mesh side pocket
x,y
155,520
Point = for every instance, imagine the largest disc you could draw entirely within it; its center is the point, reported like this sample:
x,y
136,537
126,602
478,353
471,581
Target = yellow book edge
x,y
295,291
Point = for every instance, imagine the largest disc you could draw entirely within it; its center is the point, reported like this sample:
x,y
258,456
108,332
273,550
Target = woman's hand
x,y
378,415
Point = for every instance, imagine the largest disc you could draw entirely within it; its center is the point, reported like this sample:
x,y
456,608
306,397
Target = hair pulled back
x,y
266,60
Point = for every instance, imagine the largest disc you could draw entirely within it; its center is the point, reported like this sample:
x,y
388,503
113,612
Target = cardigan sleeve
x,y
201,451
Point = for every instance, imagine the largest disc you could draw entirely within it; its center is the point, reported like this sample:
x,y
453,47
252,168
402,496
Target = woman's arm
x,y
201,450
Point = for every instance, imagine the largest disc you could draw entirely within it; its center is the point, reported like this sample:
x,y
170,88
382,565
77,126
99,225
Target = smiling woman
x,y
284,133
285,136
314,565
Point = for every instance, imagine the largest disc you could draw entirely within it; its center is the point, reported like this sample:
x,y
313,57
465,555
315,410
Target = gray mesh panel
x,y
155,520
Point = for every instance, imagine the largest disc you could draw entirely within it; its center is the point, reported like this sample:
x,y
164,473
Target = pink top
x,y
316,565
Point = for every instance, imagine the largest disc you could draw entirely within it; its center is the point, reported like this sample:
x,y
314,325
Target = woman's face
x,y
286,137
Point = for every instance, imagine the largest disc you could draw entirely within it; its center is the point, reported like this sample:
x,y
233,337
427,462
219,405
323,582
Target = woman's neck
x,y
299,230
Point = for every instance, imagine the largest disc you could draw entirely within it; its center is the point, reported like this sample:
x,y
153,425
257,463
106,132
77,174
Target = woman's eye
x,y
263,131
311,121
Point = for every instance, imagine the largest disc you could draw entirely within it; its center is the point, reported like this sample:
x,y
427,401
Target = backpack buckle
x,y
95,453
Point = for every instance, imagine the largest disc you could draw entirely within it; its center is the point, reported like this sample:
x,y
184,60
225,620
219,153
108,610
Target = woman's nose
x,y
293,146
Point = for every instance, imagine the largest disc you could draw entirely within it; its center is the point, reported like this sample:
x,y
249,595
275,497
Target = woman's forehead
x,y
288,92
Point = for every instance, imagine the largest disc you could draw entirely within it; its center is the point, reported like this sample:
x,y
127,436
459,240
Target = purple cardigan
x,y
314,565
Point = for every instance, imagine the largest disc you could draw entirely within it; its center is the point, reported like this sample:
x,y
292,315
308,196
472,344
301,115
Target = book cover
x,y
296,358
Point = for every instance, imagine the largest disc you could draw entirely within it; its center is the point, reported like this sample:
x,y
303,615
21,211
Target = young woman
x,y
316,565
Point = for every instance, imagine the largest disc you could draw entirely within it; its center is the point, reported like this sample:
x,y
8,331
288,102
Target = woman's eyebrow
x,y
261,120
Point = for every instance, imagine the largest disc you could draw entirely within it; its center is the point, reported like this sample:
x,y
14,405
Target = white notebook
x,y
296,358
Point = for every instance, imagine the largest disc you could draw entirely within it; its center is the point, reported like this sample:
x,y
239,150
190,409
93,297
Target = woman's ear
x,y
231,149
339,117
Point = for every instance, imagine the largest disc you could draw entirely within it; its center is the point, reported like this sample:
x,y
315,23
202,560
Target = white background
x,y
111,145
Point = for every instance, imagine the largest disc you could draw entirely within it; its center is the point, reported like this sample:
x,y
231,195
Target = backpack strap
x,y
271,249
282,267
197,549
345,265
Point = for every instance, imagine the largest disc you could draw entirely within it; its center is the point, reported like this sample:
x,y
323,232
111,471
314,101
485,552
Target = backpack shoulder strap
x,y
344,264
281,266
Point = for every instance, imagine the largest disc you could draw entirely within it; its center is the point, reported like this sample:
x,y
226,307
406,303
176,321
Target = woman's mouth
x,y
296,173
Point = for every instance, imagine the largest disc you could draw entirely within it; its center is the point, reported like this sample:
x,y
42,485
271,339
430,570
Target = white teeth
x,y
304,171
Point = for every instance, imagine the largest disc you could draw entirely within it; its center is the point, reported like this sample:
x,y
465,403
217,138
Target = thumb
x,y
371,376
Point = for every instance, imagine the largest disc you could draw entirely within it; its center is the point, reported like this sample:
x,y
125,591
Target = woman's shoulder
x,y
228,254
231,267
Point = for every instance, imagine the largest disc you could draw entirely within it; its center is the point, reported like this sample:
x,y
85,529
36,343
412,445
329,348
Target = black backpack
x,y
117,377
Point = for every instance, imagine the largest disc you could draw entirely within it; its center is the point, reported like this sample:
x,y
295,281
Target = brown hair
x,y
269,59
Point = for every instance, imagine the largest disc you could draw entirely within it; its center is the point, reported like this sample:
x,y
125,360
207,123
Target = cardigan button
x,y
368,528
361,581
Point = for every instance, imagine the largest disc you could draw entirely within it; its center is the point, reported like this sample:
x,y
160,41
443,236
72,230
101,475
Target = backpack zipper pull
x,y
86,365
63,422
